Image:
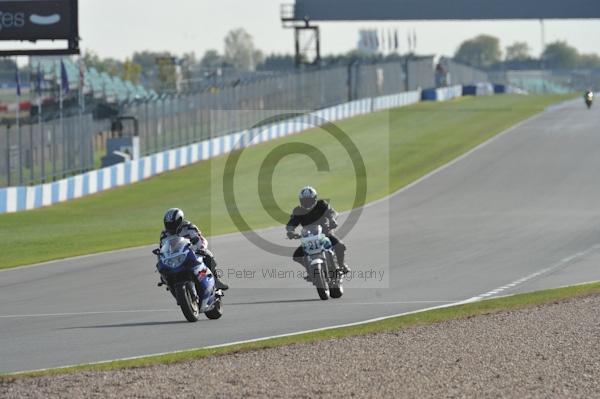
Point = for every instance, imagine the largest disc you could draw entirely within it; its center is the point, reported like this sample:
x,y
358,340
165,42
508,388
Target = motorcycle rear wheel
x,y
336,292
217,311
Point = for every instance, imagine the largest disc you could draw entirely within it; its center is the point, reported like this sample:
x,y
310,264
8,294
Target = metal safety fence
x,y
47,150
463,74
182,120
50,148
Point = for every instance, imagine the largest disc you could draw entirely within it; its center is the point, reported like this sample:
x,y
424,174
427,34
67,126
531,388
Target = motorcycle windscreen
x,y
173,245
312,230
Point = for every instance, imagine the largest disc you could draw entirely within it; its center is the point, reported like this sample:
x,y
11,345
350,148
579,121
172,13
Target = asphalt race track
x,y
520,213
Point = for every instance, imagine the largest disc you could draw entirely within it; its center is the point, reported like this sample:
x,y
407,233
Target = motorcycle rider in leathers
x,y
175,224
313,211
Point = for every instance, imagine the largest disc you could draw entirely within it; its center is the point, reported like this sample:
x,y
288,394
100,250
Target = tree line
x,y
484,51
161,69
158,68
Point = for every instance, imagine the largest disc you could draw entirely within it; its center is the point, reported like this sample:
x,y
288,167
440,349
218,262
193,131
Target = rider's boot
x,y
219,284
340,254
212,265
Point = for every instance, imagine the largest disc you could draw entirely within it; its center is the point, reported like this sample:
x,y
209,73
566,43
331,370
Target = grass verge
x,y
485,307
397,146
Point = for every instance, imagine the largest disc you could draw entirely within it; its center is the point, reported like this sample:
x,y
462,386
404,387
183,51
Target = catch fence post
x,y
31,154
8,180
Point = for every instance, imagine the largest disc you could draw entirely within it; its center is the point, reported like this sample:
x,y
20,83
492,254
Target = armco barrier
x,y
479,89
16,199
429,95
396,100
502,89
441,94
448,93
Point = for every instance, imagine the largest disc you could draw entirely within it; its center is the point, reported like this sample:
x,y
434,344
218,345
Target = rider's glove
x,y
329,225
290,234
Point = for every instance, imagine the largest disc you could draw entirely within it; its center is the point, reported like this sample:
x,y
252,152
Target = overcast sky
x,y
117,28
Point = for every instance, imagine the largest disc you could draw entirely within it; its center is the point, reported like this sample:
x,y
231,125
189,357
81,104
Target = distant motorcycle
x,y
323,269
188,279
589,99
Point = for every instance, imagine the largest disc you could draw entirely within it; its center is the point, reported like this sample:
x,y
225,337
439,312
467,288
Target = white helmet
x,y
308,197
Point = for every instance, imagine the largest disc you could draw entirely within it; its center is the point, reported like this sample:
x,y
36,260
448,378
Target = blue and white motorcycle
x,y
188,279
323,268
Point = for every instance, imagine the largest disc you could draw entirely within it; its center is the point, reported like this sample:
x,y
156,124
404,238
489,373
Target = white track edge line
x,y
563,262
358,323
243,341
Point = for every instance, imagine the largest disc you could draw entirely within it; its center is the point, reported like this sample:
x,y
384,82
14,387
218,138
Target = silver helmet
x,y
308,197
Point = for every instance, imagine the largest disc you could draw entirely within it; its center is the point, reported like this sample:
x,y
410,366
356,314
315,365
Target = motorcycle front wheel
x,y
321,283
189,306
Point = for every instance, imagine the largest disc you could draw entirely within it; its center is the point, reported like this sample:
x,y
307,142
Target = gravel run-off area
x,y
551,351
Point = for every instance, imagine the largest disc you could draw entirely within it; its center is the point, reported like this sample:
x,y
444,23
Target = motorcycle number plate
x,y
312,245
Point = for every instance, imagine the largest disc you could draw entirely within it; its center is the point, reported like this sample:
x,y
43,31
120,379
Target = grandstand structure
x,y
97,85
